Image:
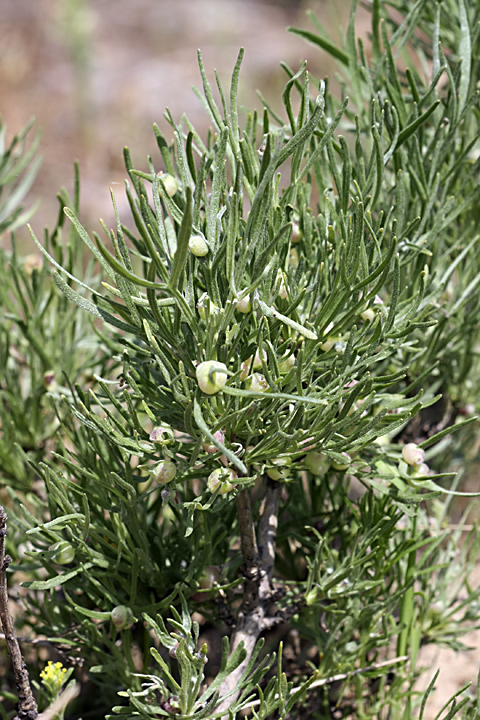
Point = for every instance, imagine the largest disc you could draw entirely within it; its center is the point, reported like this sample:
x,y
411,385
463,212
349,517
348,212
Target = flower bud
x,y
368,315
122,617
209,447
297,232
173,650
205,304
413,455
168,496
257,364
421,470
286,363
257,383
172,705
339,465
293,259
164,471
224,479
49,380
280,469
33,263
329,343
64,552
211,376
198,246
316,463
244,305
170,183
162,434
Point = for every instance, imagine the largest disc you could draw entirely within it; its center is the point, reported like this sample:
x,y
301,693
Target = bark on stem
x,y
27,706
258,551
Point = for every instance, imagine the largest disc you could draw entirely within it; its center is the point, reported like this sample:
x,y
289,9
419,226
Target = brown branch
x,y
27,706
257,568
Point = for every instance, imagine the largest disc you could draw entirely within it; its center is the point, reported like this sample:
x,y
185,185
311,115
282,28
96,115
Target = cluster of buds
x,y
414,456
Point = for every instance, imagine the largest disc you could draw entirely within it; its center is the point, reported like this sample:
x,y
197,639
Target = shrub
x,y
235,496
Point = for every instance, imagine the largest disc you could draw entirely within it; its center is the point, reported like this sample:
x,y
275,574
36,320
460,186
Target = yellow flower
x,y
53,675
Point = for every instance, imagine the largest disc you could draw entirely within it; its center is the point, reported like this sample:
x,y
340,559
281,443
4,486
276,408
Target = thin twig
x,y
341,676
27,706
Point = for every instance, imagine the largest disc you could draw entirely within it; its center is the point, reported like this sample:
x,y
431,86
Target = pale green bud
x,y
170,183
257,383
64,552
211,376
222,478
164,471
198,246
413,455
122,617
244,305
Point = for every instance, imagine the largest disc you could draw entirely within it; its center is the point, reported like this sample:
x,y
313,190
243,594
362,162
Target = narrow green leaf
x,y
183,238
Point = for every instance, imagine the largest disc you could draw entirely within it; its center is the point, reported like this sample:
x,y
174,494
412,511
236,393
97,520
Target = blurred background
x,y
96,74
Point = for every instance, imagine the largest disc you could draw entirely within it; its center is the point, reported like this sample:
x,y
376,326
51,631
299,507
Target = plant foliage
x,y
294,301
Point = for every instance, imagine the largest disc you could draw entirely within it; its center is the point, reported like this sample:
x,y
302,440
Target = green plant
x,y
240,452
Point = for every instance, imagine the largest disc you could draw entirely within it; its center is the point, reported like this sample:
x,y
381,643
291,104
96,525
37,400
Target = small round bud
x,y
329,343
244,305
210,447
172,705
168,495
286,363
224,479
297,232
33,263
173,650
211,376
282,291
421,470
162,434
257,383
293,259
122,617
413,455
205,305
254,363
340,465
49,380
64,552
280,469
316,463
368,315
164,471
170,183
198,246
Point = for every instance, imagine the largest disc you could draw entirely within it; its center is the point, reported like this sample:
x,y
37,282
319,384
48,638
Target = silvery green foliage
x,y
18,166
339,299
